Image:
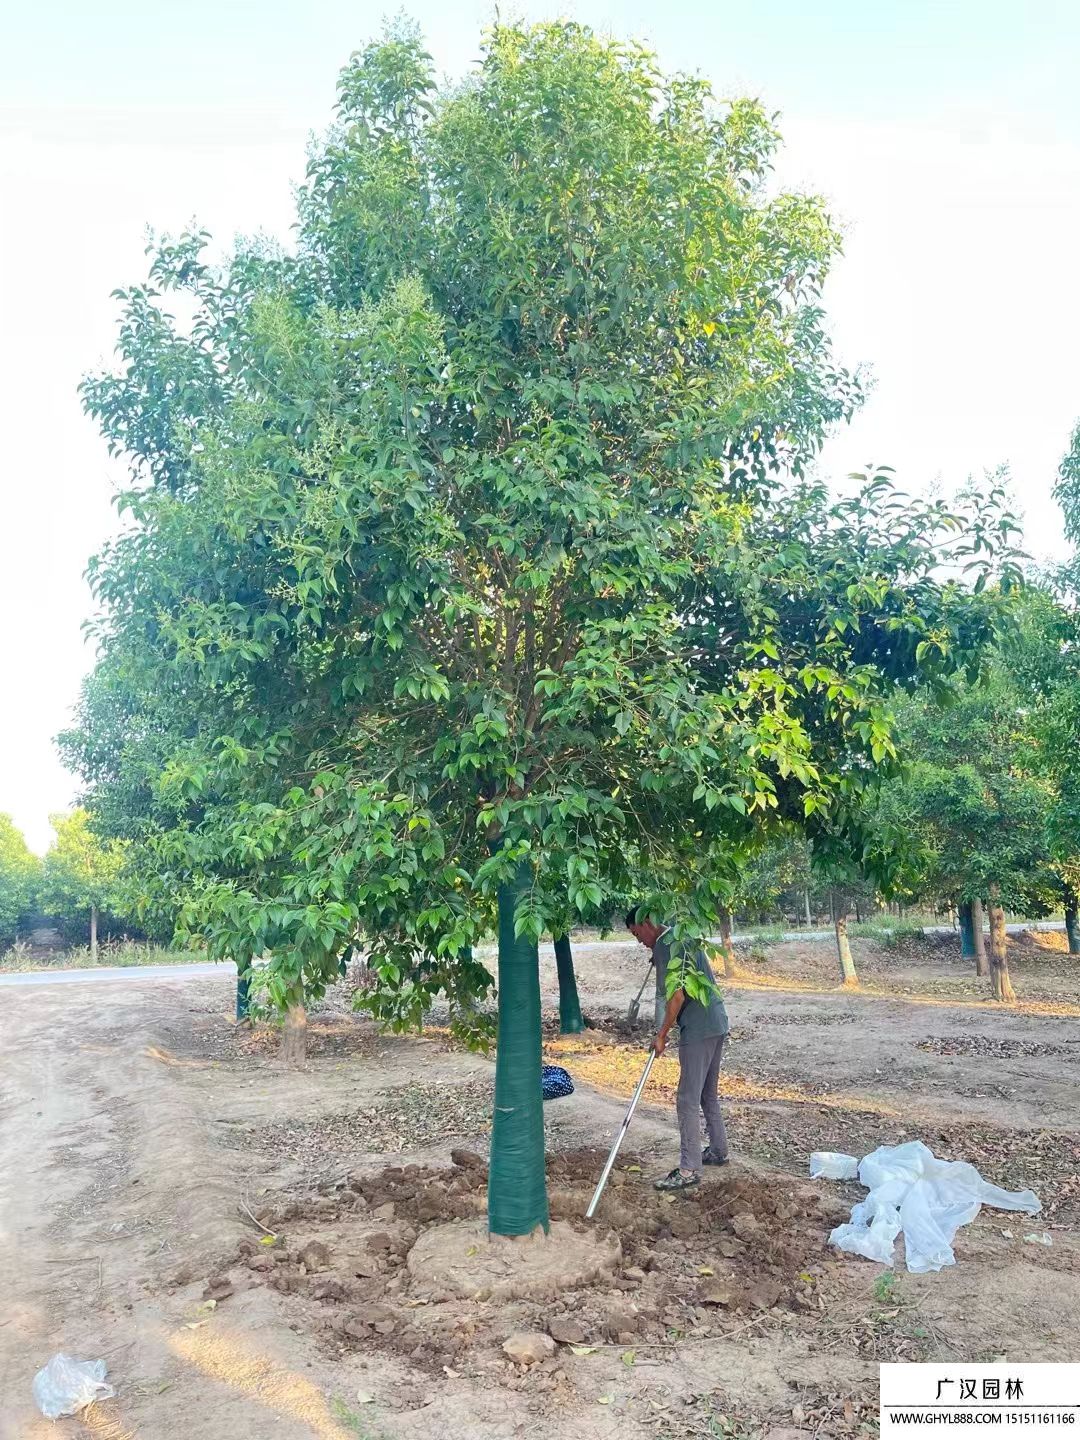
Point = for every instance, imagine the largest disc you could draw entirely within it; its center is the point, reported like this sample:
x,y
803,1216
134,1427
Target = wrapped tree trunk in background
x,y
967,931
999,960
93,934
243,985
1072,920
517,1190
570,1021
978,936
843,944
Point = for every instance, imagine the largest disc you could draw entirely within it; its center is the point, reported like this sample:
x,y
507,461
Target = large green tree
x,y
20,875
446,606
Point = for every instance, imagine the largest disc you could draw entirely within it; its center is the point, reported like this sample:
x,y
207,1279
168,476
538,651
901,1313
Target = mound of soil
x,y
399,1260
463,1258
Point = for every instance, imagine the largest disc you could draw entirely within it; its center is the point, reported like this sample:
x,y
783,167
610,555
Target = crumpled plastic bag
x,y
66,1386
829,1165
927,1198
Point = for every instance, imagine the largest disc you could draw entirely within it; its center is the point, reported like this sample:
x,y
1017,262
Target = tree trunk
x,y
978,936
967,931
570,1021
1072,921
93,934
517,1188
294,1036
806,902
843,945
243,999
727,945
999,960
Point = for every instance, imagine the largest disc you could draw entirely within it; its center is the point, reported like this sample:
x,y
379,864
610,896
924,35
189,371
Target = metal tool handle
x,y
619,1138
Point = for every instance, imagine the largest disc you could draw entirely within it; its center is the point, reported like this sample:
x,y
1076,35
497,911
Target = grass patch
x,y
22,958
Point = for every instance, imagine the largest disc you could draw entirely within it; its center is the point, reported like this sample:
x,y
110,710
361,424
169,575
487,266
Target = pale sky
x,y
944,133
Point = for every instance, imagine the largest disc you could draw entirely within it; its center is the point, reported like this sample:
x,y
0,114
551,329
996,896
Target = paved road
x,y
117,972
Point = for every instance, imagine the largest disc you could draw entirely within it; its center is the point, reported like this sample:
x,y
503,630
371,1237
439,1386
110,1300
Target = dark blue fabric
x,y
555,1082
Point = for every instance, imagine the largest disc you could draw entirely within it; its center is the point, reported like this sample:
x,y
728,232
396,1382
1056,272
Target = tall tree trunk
x,y
843,945
570,1021
517,1188
999,960
243,997
727,945
93,934
967,931
1072,920
978,936
806,902
294,1036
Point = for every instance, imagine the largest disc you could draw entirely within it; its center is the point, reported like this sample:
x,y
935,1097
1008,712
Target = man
x,y
703,1029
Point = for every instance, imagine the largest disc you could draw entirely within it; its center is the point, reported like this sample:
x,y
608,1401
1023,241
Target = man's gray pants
x,y
699,1079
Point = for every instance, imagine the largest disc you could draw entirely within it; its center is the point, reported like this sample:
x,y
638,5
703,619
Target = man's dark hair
x,y
631,916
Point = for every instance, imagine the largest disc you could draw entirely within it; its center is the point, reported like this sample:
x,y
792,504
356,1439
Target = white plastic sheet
x,y
927,1198
829,1165
66,1386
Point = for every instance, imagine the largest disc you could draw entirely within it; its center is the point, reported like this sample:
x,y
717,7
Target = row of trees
x,y
474,582
77,886
985,814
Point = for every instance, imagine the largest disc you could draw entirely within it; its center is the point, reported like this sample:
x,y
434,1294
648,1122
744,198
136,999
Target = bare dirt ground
x,y
234,1238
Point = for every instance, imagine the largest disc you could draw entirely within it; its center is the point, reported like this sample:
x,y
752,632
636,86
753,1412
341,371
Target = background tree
x,y
445,602
80,875
976,803
20,878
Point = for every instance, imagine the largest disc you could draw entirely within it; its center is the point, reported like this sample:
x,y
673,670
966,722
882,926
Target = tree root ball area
x,y
463,1259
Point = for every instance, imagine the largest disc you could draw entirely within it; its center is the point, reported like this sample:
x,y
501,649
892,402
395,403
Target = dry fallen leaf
x,y
604,1399
451,1374
206,1306
364,1398
583,1349
706,1270
628,1357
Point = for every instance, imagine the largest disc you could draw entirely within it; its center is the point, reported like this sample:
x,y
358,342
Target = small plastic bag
x,y
66,1386
830,1165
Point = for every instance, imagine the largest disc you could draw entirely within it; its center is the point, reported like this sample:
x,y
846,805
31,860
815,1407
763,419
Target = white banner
x,y
943,1399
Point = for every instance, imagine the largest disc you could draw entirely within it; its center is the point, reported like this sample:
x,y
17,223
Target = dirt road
x,y
136,1124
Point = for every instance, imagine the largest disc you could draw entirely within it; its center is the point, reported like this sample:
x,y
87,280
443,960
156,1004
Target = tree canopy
x,y
20,874
81,872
